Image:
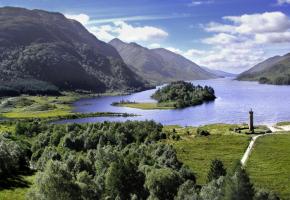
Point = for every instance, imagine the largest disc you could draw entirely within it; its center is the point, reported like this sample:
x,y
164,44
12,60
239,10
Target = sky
x,y
229,35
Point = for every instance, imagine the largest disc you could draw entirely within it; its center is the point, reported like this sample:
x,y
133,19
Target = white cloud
x,y
230,58
127,32
217,27
233,58
241,41
82,18
255,23
154,46
174,50
265,28
200,2
280,2
138,18
103,32
261,23
238,42
192,53
121,29
221,38
272,38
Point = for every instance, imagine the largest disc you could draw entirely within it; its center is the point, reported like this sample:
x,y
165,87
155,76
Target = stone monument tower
x,y
251,122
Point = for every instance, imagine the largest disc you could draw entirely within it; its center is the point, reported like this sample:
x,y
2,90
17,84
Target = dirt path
x,y
274,129
249,149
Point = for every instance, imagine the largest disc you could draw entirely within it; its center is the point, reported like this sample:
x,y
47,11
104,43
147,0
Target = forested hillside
x,y
275,70
44,52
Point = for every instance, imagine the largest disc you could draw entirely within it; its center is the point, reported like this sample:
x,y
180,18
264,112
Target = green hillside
x,y
43,52
275,70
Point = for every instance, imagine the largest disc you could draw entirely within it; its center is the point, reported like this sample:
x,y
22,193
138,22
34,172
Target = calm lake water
x,y
270,103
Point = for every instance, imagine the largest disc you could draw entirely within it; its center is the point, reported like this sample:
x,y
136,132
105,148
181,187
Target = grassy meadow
x,y
46,107
197,152
269,164
36,106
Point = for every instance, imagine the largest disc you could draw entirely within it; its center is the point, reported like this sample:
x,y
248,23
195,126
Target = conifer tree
x,y
216,170
239,186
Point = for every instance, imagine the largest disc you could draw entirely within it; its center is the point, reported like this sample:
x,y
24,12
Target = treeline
x,y
183,94
113,160
104,161
280,80
14,156
30,87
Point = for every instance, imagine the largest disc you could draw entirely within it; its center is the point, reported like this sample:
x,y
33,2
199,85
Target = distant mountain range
x,y
159,65
275,70
219,73
43,52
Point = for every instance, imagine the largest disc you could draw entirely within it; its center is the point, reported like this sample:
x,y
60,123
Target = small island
x,y
179,94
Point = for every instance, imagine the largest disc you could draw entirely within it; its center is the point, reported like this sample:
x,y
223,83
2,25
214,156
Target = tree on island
x,y
181,94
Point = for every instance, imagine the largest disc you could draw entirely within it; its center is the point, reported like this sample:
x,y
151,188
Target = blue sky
x,y
231,35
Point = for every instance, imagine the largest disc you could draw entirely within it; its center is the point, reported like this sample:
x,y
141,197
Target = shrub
x,y
201,132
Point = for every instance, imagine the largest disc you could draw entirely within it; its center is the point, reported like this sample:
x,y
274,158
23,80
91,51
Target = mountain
x,y
159,65
219,73
43,52
275,70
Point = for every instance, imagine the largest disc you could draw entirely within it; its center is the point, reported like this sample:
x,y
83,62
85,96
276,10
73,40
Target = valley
x,y
102,105
193,150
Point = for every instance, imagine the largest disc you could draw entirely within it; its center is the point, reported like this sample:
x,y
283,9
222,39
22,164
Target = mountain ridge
x,y
159,65
274,70
220,73
45,47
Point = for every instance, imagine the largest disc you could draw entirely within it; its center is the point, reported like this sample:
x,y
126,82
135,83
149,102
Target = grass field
x,y
269,164
17,189
36,106
215,129
198,152
59,107
146,106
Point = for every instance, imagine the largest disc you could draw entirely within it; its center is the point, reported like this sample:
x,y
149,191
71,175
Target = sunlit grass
x,y
17,192
6,128
43,114
269,164
198,152
214,129
37,106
